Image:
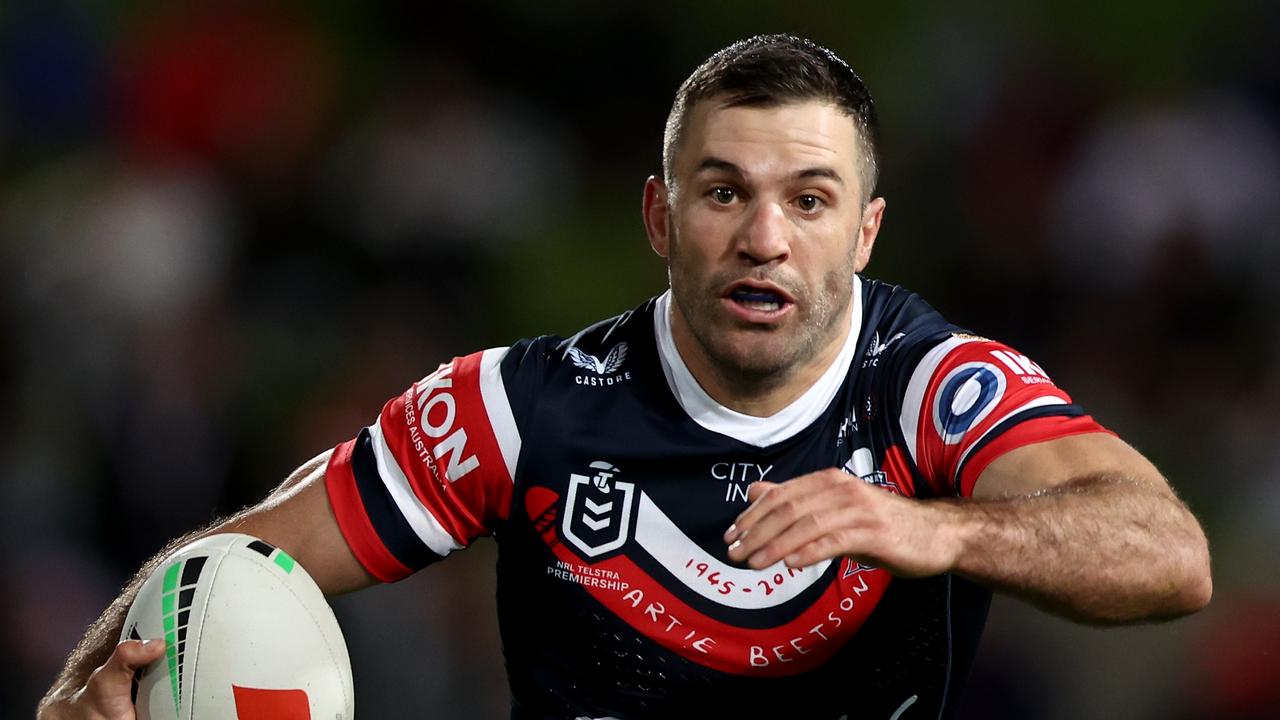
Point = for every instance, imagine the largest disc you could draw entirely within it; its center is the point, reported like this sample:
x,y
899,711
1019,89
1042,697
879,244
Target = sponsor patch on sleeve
x,y
964,394
432,473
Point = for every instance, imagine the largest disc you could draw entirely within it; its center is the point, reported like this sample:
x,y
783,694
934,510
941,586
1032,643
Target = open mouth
x,y
754,299
758,303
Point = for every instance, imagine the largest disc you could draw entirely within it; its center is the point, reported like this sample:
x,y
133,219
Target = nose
x,y
765,235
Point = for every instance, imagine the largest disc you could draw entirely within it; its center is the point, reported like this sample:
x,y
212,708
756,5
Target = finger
x,y
765,495
832,522
830,546
759,489
755,491
780,515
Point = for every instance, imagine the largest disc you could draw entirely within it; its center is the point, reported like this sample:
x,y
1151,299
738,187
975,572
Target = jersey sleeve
x,y
970,400
432,473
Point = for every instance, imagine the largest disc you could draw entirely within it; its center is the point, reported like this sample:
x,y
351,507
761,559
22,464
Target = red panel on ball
x,y
259,704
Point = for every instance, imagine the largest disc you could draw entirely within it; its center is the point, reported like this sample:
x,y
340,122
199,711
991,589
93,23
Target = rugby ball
x,y
248,636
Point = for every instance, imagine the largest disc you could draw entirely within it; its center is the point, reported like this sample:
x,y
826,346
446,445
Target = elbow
x,y
1182,587
1199,596
1195,590
1177,595
1198,588
1189,598
1189,567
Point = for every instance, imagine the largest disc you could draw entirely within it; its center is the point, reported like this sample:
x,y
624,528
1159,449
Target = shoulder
x,y
907,334
606,344
898,329
896,307
597,353
911,342
960,399
602,344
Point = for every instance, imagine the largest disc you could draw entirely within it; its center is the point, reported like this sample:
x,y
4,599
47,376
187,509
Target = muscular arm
x,y
1085,527
296,517
1082,526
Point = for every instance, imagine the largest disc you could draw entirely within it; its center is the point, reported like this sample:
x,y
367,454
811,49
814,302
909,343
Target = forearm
x,y
101,638
1102,549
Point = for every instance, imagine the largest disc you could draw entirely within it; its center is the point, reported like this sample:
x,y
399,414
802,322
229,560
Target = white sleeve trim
x,y
424,524
496,404
913,400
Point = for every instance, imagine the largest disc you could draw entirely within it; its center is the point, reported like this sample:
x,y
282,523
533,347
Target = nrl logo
x,y
597,514
606,371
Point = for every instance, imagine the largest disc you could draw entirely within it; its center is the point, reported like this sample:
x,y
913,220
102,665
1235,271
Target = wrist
x,y
957,525
51,710
53,705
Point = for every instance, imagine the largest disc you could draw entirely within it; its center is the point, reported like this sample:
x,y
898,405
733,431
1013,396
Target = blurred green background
x,y
229,231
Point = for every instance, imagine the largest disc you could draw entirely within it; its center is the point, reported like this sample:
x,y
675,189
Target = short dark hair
x,y
770,70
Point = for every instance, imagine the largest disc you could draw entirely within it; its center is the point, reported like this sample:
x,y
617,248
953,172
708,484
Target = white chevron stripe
x,y
913,400
496,405
667,543
424,524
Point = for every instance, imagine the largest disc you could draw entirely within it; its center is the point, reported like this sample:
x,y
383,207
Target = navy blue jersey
x,y
608,477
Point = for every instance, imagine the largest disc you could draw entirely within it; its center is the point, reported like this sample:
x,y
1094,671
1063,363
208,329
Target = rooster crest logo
x,y
876,348
610,364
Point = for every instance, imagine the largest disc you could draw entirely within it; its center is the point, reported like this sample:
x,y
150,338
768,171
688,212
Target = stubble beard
x,y
758,359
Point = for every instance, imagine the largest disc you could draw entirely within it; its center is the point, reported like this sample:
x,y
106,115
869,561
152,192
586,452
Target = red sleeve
x,y
432,473
970,400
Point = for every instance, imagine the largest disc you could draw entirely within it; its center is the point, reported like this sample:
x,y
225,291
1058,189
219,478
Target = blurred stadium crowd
x,y
229,231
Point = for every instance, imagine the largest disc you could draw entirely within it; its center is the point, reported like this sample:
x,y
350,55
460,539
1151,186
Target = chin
x,y
754,357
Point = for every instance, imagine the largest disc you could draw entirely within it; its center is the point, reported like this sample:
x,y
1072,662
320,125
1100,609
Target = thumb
x,y
108,693
135,654
128,657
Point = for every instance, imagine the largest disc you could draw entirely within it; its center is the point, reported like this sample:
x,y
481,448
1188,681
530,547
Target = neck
x,y
755,394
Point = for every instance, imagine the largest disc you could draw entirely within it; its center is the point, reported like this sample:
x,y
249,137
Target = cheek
x,y
833,253
859,256
684,258
839,277
705,229
691,246
838,283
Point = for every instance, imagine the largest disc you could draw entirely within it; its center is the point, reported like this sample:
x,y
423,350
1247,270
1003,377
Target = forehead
x,y
765,140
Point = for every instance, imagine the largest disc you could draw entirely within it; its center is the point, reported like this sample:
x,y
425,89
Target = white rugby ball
x,y
248,636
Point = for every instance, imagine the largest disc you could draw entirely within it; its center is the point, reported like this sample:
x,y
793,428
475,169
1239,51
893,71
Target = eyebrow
x,y
714,163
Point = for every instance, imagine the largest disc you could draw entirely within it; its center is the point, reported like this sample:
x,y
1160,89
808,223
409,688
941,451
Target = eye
x,y
809,203
723,195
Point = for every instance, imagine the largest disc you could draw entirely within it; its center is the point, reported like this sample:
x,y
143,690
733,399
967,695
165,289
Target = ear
x,y
656,215
867,232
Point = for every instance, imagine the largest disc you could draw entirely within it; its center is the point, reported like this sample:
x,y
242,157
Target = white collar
x,y
758,431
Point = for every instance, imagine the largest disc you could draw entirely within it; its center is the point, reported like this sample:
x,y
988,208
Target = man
x,y
777,490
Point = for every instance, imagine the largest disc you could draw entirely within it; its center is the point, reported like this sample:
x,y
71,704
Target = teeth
x,y
760,300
